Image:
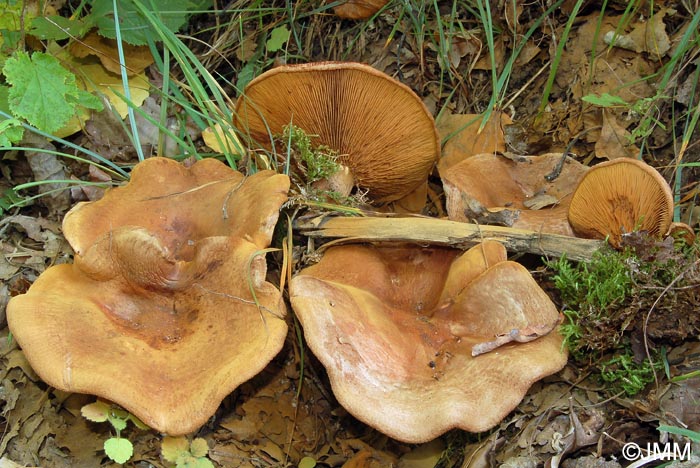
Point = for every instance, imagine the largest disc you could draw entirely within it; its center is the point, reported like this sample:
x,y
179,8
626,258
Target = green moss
x,y
317,162
604,300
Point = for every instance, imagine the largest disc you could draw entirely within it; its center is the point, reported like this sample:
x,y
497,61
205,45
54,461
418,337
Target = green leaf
x,y
118,423
204,463
11,132
43,92
135,28
199,447
9,199
173,447
307,462
58,27
137,422
605,100
118,449
245,75
692,435
10,13
96,412
278,38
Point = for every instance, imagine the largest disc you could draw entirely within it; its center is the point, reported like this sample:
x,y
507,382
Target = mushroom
x,y
493,189
358,9
405,332
618,197
382,130
166,309
682,231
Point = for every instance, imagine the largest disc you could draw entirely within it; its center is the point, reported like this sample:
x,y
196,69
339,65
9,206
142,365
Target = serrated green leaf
x,y
173,447
199,447
10,13
118,449
42,91
245,75
58,27
9,199
119,424
11,132
96,412
135,28
605,100
278,38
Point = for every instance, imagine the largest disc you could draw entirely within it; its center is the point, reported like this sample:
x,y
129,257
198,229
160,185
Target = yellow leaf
x,y
96,412
221,141
172,447
92,76
199,447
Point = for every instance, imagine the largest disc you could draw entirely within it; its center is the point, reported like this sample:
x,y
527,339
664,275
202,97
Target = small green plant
x,y
45,103
587,291
645,109
625,374
602,300
318,162
117,448
308,164
186,454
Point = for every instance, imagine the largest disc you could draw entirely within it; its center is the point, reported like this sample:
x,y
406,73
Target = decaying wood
x,y
434,231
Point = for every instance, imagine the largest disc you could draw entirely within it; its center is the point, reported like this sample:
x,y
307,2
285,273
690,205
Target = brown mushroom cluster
x,y
165,310
417,341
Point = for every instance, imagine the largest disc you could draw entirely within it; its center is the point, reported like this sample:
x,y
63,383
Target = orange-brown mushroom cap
x,y
165,318
492,182
383,131
396,327
621,196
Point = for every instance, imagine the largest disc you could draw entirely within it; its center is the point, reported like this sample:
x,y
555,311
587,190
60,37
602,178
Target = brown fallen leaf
x,y
522,335
614,141
465,140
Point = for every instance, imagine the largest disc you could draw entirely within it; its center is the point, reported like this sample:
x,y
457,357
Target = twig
x,y
431,231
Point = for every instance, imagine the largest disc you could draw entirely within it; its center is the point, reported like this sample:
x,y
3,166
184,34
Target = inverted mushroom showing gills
x,y
618,197
417,341
382,130
166,309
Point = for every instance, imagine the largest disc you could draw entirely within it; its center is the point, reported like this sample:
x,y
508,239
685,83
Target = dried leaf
x,y
539,201
614,140
465,139
423,456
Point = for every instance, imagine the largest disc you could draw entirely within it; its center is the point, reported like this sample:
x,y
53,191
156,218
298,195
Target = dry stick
x,y
442,232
